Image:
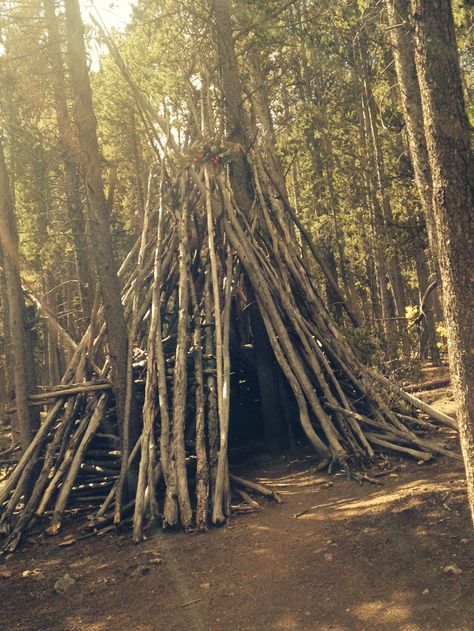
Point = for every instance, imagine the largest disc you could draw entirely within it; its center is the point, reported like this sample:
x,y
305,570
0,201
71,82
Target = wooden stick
x,y
32,448
415,402
212,414
377,440
221,503
41,481
67,391
108,500
430,446
76,462
202,467
428,385
170,510
132,334
247,499
255,486
181,371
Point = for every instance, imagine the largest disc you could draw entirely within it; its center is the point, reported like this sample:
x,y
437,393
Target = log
x,y
378,440
255,486
71,390
415,402
76,463
441,382
59,392
247,499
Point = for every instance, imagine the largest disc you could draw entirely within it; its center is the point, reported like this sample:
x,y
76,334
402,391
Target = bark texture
x,y
20,347
68,148
99,219
449,153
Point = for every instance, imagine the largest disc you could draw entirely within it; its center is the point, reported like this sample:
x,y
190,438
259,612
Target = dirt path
x,y
355,558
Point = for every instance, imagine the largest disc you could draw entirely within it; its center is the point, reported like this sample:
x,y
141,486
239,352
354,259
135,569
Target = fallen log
x,y
247,499
441,382
255,486
417,403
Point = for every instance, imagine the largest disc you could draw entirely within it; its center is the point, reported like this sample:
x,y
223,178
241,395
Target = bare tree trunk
x,y
394,266
306,90
379,254
240,173
91,171
329,167
138,167
21,352
68,146
373,314
53,366
449,152
9,385
409,90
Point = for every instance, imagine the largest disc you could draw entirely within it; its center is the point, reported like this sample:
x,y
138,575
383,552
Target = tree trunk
x,y
21,352
138,168
449,152
54,364
9,385
410,98
308,96
68,147
90,166
379,253
329,168
394,265
240,173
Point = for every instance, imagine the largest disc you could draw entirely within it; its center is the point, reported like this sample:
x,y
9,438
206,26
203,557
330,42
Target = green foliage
x,y
367,344
442,332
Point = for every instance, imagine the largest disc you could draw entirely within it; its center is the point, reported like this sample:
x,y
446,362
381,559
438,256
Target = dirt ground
x,y
335,555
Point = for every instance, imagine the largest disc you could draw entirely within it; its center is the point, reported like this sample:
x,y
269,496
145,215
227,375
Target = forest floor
x,y
335,555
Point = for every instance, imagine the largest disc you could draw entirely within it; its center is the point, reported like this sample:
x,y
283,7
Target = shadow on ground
x,y
335,556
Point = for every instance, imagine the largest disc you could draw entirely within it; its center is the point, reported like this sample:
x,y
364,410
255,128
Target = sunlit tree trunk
x,y
393,259
410,98
378,237
449,152
307,96
68,146
90,165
